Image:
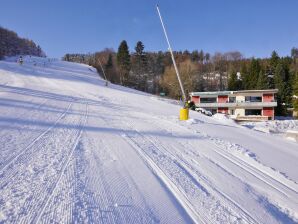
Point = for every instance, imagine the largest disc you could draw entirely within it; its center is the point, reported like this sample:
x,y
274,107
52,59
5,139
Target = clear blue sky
x,y
253,27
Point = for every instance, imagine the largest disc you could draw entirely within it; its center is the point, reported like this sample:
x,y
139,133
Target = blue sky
x,y
253,27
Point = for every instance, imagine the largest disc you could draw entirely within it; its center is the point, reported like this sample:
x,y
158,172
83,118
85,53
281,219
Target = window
x,y
253,99
256,112
208,100
232,99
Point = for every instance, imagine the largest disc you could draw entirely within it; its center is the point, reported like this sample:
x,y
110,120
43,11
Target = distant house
x,y
241,105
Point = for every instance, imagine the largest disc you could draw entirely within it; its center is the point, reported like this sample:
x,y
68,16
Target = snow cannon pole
x,y
184,111
104,74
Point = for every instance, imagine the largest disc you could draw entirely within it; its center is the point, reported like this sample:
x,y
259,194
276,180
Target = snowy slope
x,y
75,151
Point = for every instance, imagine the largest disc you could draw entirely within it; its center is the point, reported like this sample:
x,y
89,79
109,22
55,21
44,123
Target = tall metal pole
x,y
172,55
104,74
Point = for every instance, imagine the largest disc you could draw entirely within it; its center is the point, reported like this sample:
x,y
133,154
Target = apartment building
x,y
240,105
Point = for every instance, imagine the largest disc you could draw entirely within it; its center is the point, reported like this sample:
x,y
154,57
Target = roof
x,y
233,92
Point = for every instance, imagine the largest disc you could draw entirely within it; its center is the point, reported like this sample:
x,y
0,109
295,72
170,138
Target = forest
x,y
153,72
11,44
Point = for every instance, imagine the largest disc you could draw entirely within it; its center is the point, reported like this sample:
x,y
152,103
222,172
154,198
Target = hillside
x,y
11,44
76,151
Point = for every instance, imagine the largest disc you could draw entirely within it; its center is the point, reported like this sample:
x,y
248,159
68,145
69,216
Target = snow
x,y
224,119
278,128
76,151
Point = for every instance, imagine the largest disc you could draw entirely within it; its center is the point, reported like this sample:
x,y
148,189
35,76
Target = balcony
x,y
237,104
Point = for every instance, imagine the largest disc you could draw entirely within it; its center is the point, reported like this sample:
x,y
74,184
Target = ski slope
x,y
75,151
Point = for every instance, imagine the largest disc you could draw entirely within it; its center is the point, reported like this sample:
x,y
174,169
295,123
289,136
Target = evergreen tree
x,y
294,53
262,82
140,66
109,69
250,80
295,93
109,63
207,57
194,56
233,82
1,54
279,83
201,56
123,62
274,60
11,44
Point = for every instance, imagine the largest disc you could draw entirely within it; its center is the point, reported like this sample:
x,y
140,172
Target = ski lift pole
x,y
172,55
104,74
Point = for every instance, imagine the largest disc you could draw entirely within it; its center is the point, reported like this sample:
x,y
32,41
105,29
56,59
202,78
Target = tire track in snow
x,y
67,160
13,159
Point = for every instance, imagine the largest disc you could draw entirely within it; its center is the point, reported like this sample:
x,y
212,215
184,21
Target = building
x,y
241,105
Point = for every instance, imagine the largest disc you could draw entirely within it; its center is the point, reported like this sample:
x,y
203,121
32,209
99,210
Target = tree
x,y
251,78
274,60
1,54
201,56
282,95
232,82
139,66
262,82
194,56
123,62
110,69
294,53
109,63
295,93
11,44
188,75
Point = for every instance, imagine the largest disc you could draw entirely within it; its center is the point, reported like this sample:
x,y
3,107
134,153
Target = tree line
x,y
11,44
153,72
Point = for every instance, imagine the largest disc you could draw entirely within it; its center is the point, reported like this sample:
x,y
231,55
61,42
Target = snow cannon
x,y
184,114
184,111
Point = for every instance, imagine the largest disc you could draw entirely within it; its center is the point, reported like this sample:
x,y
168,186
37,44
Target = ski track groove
x,y
52,191
12,160
2,163
185,203
168,183
254,171
171,187
187,167
33,108
241,161
137,215
174,158
25,211
133,215
239,165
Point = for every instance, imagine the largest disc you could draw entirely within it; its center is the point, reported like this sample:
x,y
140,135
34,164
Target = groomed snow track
x,y
76,151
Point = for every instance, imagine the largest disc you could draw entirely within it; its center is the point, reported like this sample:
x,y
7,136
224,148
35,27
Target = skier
x,y
21,60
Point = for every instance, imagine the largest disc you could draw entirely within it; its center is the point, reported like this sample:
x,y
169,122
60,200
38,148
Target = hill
x,y
11,44
76,151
